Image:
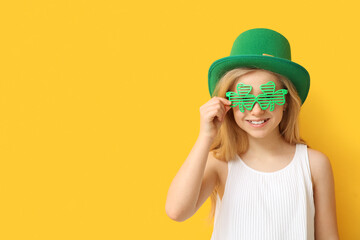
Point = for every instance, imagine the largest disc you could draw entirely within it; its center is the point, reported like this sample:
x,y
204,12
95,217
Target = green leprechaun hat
x,y
266,49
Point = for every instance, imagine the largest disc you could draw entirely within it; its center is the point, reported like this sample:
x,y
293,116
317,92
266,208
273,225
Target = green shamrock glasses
x,y
244,99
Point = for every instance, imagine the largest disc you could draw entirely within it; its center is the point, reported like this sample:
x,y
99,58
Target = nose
x,y
257,111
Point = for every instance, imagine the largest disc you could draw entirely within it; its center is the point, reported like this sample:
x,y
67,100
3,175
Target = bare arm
x,y
197,177
324,197
184,191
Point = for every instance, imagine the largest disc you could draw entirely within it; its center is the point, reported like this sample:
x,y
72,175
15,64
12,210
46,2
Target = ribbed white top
x,y
267,205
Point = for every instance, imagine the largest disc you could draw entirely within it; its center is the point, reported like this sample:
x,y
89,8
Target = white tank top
x,y
267,205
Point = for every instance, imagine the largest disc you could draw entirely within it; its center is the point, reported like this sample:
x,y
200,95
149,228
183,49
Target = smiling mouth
x,y
258,122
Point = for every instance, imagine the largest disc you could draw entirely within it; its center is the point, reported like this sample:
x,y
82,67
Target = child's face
x,y
272,118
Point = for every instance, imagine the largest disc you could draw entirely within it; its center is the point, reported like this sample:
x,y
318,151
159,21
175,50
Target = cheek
x,y
238,116
278,113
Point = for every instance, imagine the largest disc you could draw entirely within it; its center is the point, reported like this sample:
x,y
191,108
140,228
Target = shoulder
x,y
320,165
324,195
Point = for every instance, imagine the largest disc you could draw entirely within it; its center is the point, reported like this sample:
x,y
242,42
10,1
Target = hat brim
x,y
297,74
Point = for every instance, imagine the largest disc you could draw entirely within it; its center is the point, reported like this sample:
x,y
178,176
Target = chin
x,y
258,135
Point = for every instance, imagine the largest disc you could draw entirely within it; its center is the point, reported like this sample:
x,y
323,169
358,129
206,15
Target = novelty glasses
x,y
244,99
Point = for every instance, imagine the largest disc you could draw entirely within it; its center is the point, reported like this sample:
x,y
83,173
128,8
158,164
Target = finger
x,y
216,113
227,108
220,108
216,105
220,115
225,101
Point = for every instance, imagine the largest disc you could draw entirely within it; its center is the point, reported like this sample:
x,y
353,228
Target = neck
x,y
272,143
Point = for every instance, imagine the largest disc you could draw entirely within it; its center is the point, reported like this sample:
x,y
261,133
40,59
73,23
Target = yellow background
x,y
99,105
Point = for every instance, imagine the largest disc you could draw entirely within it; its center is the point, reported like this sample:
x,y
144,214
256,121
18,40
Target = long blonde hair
x,y
223,146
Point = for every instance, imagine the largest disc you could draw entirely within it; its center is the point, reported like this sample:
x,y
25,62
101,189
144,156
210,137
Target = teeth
x,y
259,122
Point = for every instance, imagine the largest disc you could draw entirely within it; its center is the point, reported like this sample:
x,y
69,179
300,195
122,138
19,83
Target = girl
x,y
264,181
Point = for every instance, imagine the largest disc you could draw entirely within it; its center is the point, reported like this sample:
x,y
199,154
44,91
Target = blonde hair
x,y
223,146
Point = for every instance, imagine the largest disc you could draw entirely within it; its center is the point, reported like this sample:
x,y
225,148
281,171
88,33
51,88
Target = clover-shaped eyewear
x,y
244,99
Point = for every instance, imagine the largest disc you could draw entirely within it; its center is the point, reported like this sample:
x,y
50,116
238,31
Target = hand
x,y
212,115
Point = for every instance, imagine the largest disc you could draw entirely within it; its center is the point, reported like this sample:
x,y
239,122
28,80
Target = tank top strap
x,y
304,159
